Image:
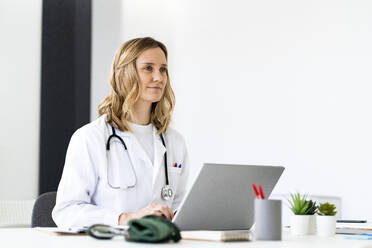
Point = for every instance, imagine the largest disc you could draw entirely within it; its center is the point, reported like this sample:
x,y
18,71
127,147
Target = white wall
x,y
20,58
106,38
272,82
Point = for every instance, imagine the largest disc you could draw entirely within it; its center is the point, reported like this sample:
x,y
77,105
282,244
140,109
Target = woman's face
x,y
152,73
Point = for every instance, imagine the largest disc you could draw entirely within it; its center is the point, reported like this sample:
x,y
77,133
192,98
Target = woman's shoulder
x,y
94,129
175,135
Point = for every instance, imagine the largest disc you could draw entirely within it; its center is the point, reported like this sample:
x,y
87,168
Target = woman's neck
x,y
141,113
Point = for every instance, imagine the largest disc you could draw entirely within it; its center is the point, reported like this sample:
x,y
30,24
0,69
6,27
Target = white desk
x,y
27,237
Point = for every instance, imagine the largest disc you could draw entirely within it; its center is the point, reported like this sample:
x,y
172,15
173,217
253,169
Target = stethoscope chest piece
x,y
166,192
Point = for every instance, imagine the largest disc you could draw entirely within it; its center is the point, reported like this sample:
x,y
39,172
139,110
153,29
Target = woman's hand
x,y
152,209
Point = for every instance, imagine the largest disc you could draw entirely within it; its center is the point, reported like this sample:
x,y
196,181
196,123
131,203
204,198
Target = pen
x,y
255,191
261,191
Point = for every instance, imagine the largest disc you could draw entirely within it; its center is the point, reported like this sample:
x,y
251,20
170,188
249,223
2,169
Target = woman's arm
x,y
73,205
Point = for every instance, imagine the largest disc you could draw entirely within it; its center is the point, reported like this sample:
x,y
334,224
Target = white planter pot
x,y
302,225
312,225
325,226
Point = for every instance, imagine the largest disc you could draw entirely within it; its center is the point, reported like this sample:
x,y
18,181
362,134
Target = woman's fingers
x,y
157,212
170,212
166,212
156,209
161,210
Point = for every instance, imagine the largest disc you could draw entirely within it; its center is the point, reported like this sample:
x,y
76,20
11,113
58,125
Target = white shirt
x,y
143,134
98,185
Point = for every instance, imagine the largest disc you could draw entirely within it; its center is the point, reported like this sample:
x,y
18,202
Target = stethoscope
x,y
166,190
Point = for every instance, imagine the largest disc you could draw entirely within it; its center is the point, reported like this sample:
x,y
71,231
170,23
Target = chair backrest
x,y
16,213
42,211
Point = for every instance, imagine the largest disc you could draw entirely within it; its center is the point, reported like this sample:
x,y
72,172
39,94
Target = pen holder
x,y
268,219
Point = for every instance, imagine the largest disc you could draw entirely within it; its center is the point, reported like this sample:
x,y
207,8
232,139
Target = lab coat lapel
x,y
159,151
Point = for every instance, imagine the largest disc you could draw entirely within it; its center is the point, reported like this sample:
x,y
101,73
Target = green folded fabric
x,y
152,229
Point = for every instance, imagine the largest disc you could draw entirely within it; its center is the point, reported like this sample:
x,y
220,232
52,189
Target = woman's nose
x,y
158,76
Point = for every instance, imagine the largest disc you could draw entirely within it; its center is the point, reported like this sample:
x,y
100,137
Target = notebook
x,y
224,236
358,237
71,230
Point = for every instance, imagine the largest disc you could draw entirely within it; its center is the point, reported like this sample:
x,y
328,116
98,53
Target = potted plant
x,y
326,220
303,220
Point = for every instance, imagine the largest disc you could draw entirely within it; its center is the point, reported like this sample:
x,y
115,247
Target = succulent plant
x,y
298,204
327,209
311,208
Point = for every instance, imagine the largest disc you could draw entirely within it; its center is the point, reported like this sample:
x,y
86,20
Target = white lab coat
x,y
84,196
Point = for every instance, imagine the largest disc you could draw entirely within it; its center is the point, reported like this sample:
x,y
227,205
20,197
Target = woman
x,y
115,166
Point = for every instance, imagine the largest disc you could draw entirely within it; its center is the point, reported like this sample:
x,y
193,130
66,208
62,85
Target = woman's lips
x,y
154,88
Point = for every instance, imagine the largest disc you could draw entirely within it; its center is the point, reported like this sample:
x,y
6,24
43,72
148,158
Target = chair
x,y
42,211
15,213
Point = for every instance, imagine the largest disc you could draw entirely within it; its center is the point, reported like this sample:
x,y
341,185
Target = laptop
x,y
221,197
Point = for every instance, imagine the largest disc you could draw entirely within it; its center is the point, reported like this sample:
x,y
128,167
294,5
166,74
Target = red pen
x,y
255,191
261,191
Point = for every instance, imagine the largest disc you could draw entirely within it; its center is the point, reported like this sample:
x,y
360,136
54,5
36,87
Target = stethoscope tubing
x,y
165,161
114,135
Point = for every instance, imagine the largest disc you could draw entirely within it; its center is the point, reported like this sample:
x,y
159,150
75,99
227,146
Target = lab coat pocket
x,y
120,170
174,176
175,170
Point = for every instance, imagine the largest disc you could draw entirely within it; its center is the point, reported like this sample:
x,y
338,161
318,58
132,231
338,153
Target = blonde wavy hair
x,y
124,84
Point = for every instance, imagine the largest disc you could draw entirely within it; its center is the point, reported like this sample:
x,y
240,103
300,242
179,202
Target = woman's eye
x,y
163,69
148,68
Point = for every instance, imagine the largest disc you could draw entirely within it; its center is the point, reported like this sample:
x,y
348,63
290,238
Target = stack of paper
x,y
354,228
63,231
